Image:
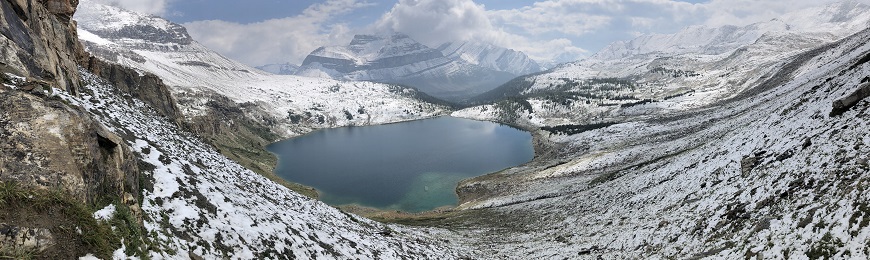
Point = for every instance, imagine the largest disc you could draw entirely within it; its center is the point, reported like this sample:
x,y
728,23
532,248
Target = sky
x,y
259,32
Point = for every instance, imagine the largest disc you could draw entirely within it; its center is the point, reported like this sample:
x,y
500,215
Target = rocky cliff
x,y
39,41
49,145
57,162
105,169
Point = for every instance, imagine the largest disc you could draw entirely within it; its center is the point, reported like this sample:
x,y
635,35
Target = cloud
x,y
557,24
155,7
436,21
277,40
433,22
544,30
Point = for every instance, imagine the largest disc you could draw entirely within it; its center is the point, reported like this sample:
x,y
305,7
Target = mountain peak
x,y
115,23
490,56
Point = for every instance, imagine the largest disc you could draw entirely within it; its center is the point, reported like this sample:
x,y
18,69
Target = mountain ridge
x,y
396,58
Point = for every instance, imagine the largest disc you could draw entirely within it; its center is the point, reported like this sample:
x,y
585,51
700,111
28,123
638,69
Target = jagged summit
x,y
194,72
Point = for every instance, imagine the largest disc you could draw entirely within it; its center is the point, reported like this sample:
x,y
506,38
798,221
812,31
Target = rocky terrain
x,y
769,167
722,143
238,108
108,167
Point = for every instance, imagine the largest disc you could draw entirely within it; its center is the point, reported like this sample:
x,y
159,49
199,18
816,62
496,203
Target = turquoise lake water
x,y
410,166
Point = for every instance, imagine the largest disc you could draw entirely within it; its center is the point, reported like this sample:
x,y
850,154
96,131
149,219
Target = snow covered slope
x,y
290,104
196,202
769,173
491,56
660,74
838,19
399,59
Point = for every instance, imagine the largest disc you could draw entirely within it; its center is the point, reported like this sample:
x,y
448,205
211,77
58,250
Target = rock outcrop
x,y
39,40
144,86
843,104
45,144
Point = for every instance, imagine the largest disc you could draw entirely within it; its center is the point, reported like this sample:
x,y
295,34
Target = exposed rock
x,y
746,165
843,104
145,29
39,40
46,144
24,239
145,86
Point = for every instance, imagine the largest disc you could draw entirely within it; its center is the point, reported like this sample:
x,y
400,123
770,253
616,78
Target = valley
x,y
711,142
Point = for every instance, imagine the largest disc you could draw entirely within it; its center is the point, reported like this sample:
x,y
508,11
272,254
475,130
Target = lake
x,y
410,166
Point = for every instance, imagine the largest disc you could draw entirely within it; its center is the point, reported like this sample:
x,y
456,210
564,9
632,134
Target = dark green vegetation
x,y
575,129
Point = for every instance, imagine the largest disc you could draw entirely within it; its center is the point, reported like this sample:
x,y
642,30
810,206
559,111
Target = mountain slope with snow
x,y
490,56
771,172
831,21
399,59
292,105
752,148
656,74
196,202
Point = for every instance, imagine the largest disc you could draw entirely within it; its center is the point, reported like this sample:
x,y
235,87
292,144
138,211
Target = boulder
x,y
843,104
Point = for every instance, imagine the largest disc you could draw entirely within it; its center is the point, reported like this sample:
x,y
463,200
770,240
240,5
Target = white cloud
x,y
277,40
436,21
433,22
155,7
543,29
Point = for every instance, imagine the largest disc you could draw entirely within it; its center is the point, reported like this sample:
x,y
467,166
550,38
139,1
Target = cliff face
x,y
46,144
56,161
39,40
144,86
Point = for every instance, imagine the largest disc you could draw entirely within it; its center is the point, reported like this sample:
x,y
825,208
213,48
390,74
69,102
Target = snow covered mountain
x,y
399,59
290,105
758,152
837,20
490,56
280,69
201,203
655,73
772,173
